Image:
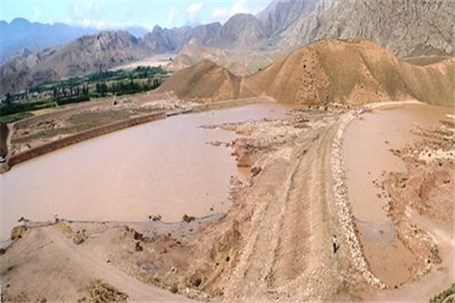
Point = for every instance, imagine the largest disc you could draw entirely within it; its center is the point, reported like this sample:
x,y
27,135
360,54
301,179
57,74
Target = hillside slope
x,y
280,14
204,81
405,28
86,54
354,72
194,52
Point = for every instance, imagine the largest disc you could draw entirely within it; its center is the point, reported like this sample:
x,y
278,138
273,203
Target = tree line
x,y
80,89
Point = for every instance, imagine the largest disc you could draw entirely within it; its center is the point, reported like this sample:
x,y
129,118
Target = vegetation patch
x,y
15,117
100,292
80,89
447,296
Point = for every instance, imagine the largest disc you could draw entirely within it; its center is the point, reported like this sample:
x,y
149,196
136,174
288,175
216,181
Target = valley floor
x,y
274,244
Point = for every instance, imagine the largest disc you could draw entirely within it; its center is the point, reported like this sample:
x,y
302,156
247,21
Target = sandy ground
x,y
158,60
273,244
50,266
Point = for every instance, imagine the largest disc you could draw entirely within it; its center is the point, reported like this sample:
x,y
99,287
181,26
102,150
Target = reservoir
x,y
165,168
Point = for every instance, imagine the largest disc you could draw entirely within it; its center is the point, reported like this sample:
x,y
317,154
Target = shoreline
x,y
155,225
344,208
12,160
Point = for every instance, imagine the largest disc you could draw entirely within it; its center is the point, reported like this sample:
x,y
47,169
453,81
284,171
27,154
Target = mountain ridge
x,y
21,34
406,28
34,36
86,54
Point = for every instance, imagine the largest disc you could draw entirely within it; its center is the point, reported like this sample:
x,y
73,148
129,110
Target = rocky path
x,y
288,251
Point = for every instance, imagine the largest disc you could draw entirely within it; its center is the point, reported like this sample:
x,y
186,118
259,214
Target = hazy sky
x,y
120,13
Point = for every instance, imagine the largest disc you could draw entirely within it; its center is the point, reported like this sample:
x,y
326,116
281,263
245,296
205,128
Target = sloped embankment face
x,y
433,83
353,72
202,82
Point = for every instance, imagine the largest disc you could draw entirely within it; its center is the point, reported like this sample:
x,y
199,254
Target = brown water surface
x,y
367,159
165,167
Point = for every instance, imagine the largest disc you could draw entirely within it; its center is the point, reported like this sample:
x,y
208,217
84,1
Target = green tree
x,y
8,99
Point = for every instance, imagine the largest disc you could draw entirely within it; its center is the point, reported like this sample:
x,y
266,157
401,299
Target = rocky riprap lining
x,y
343,207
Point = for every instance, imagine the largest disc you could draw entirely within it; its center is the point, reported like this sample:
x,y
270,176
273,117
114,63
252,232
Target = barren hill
x,y
354,72
86,54
328,71
204,81
194,52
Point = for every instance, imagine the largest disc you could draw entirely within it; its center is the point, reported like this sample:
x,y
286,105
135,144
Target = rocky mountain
x,y
22,34
279,14
162,40
404,27
239,31
86,54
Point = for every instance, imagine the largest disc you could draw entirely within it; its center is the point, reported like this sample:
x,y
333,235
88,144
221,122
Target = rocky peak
x,y
279,14
242,29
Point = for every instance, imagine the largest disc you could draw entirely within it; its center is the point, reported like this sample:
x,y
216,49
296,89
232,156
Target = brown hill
x,y
194,52
204,81
354,72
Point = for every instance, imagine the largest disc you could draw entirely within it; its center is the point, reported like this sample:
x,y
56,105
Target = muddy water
x,y
367,159
165,167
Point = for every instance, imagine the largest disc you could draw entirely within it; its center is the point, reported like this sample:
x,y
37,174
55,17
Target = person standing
x,y
334,243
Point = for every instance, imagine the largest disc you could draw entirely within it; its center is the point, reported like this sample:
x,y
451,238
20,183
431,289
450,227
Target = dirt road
x,y
287,250
50,266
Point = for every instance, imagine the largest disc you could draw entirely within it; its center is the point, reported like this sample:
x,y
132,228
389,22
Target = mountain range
x,y
404,27
21,35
